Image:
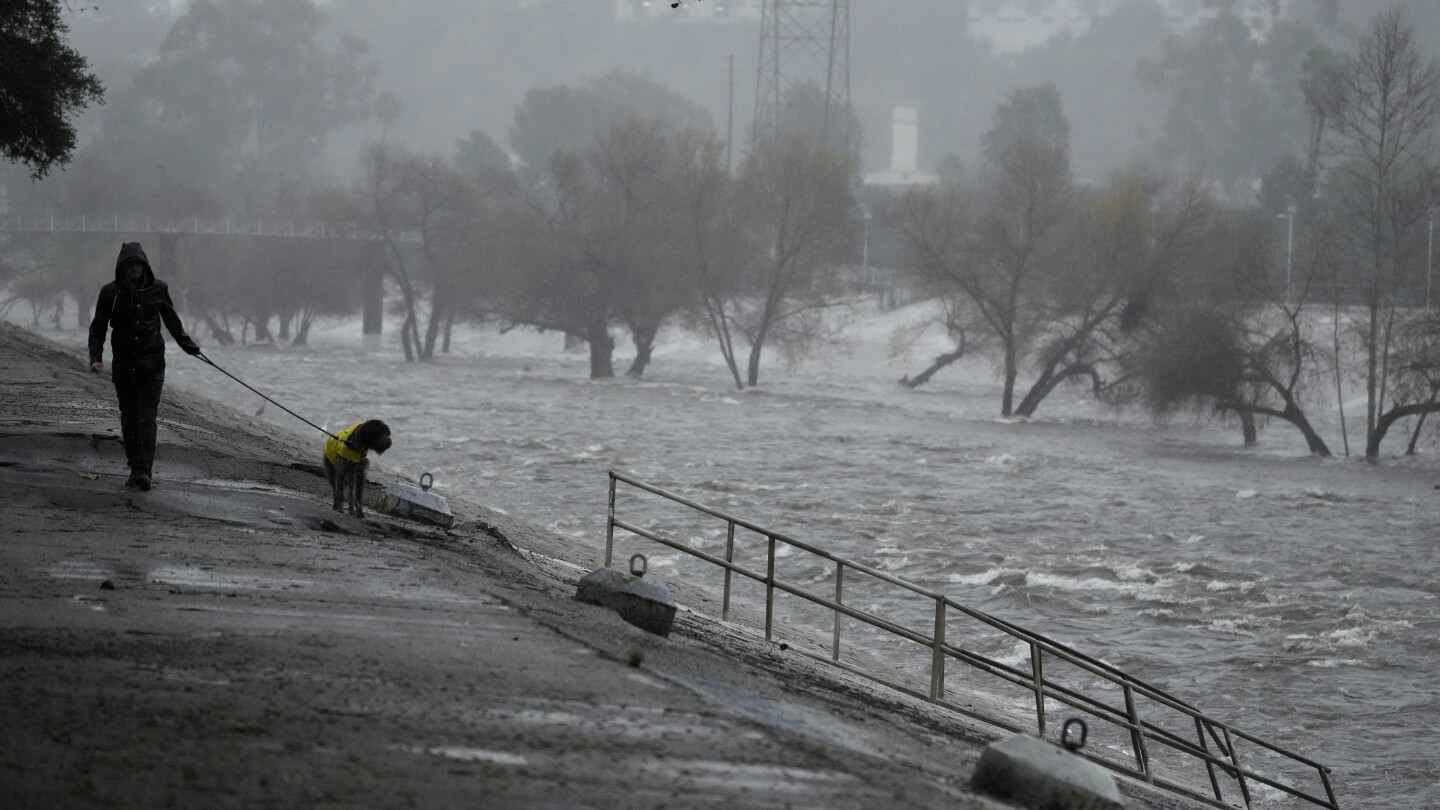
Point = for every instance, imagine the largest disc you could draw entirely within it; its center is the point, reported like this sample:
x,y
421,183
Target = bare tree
x,y
389,216
999,254
1381,137
796,199
711,244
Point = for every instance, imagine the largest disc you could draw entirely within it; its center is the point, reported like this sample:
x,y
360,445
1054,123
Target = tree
x,y
426,213
1030,117
796,201
999,254
1125,246
237,105
803,112
1381,139
43,84
568,119
552,276
711,245
1228,339
479,158
1233,101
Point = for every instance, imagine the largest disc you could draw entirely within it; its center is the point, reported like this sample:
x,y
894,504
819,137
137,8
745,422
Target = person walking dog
x,y
132,306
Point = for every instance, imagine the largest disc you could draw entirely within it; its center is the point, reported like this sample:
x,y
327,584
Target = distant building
x,y
1012,26
904,154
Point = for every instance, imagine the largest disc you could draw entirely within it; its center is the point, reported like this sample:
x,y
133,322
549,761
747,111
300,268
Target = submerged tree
x,y
999,251
1228,339
1381,142
797,210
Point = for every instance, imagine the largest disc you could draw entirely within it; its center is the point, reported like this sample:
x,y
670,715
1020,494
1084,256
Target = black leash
x,y
202,356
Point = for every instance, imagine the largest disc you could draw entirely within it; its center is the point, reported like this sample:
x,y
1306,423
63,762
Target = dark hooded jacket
x,y
135,313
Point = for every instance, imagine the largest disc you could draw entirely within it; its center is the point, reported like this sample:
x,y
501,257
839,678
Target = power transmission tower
x,y
804,42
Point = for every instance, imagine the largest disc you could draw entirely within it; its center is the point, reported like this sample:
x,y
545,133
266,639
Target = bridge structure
x,y
169,227
56,222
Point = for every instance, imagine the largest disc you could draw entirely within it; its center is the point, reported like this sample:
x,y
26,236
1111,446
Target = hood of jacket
x,y
128,251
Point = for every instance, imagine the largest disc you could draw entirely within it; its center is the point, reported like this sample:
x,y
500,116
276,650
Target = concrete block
x,y
415,503
647,605
1030,772
596,587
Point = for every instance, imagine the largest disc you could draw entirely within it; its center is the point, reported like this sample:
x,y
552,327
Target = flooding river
x,y
1293,597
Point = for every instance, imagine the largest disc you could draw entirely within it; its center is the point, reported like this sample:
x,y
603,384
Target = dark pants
x,y
139,395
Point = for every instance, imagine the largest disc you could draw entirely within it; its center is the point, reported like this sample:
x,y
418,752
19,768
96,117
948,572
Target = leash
x,y
212,364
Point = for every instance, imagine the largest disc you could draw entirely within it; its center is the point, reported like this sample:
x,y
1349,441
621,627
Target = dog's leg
x,y
333,475
360,468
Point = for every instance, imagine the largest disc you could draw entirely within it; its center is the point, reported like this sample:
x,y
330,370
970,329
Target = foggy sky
x,y
461,65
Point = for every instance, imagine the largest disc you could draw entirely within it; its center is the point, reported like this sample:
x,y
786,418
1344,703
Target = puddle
x,y
465,754
646,680
200,578
617,721
180,676
97,605
735,776
172,423
77,569
240,484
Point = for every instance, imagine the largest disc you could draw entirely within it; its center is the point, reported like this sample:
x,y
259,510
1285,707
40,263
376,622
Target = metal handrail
x,y
1127,718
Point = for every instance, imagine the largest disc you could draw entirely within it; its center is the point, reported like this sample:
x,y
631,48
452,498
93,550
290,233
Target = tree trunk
x,y
644,339
720,325
405,340
941,361
1037,393
1007,397
1247,428
1372,385
752,369
1296,417
602,346
1389,418
221,334
302,335
449,324
285,326
1415,435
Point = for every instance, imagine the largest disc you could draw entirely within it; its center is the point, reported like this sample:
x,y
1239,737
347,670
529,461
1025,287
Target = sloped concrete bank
x,y
227,640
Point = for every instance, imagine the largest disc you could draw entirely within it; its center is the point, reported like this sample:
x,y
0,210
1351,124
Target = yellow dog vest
x,y
335,445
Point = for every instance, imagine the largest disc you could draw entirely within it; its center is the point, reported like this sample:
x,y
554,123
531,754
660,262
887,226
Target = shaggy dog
x,y
346,462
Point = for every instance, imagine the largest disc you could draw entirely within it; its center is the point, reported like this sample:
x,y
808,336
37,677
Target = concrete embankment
x,y
227,640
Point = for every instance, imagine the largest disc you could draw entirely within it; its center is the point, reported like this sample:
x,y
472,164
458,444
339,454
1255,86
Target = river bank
x,y
227,640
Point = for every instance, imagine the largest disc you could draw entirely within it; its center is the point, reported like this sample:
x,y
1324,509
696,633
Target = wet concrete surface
x,y
227,640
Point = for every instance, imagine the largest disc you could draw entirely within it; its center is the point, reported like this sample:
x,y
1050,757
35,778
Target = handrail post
x,y
937,656
770,590
1037,673
1137,734
730,560
1209,766
1325,780
610,523
1239,771
839,600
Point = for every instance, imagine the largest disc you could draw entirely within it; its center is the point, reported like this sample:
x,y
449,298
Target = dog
x,y
346,462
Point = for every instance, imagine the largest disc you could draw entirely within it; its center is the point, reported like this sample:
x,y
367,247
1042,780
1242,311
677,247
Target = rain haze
x,y
1112,318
